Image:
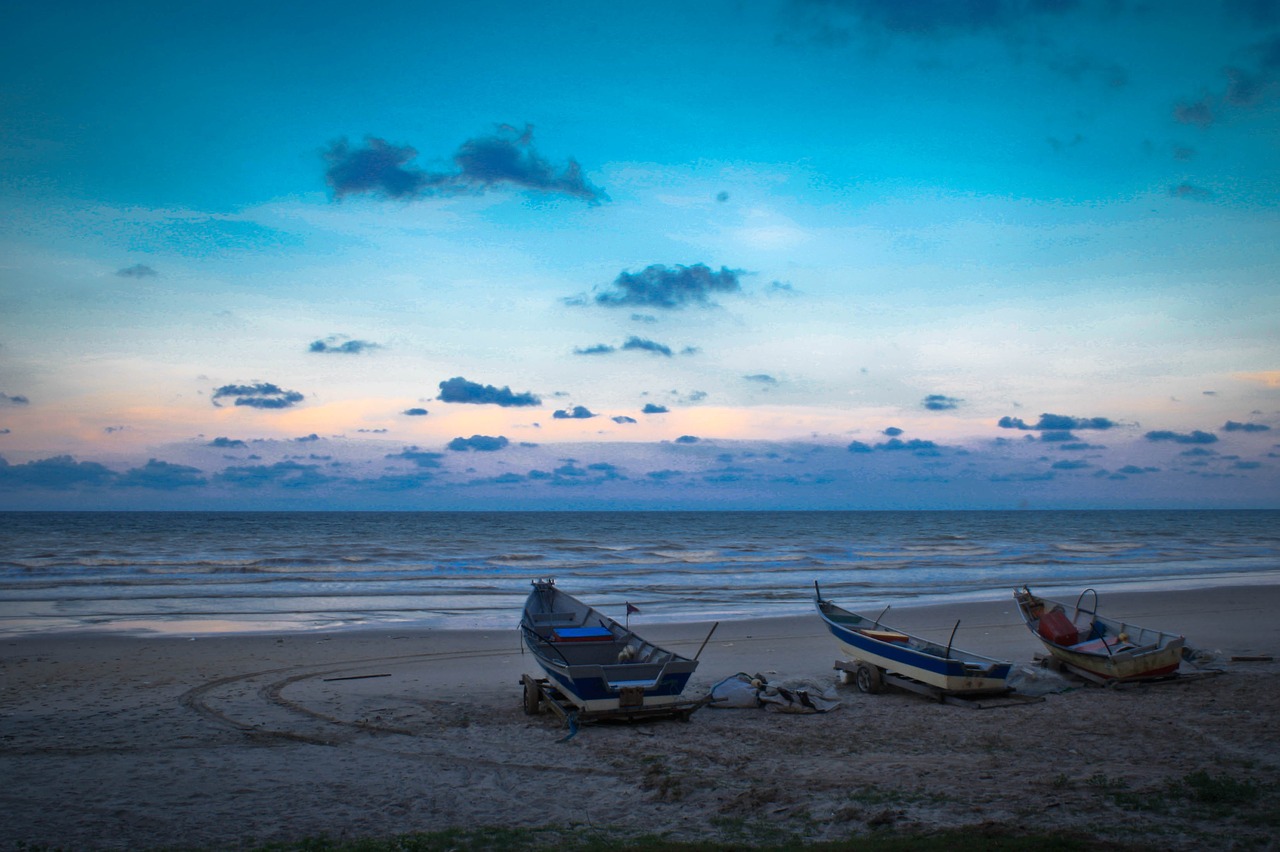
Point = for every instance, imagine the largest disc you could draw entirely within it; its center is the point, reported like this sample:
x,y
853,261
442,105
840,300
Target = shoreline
x,y
267,626
226,741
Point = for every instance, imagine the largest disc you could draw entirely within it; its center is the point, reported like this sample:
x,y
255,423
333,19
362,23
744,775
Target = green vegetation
x,y
972,839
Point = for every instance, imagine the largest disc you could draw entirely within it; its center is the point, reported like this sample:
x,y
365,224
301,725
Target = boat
x,y
1103,650
600,666
882,654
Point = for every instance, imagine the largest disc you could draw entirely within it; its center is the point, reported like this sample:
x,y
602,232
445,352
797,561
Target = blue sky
x,y
811,254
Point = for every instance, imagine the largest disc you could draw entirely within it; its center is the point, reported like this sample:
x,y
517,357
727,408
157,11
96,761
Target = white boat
x,y
599,665
1099,649
879,651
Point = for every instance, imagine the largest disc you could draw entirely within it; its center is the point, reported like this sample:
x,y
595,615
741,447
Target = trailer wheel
x,y
532,697
869,680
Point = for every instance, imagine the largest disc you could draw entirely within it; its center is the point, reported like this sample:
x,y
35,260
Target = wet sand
x,y
114,741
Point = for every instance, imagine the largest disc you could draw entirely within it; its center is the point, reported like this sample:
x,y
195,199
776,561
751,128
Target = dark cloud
x,y
1190,192
415,412
479,443
306,439
138,270
1194,437
345,347
228,444
17,399
285,474
915,446
162,476
598,349
892,432
58,472
835,23
642,345
650,408
1198,113
259,395
1057,422
459,389
578,412
1070,465
505,159
420,458
1233,426
622,419
1244,88
688,439
938,402
670,287
761,378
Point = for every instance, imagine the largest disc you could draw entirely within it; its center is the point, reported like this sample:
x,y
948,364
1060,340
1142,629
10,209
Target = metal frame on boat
x,y
596,667
1102,650
881,655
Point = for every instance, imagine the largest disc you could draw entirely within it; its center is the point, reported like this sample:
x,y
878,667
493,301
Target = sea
x,y
205,572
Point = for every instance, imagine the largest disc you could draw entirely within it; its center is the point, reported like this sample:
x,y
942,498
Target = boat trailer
x,y
872,679
540,691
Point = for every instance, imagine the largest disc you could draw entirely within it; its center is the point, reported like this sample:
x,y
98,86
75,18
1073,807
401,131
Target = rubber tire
x,y
869,680
532,698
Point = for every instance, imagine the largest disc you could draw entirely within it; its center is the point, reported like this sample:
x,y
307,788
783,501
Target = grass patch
x,y
984,838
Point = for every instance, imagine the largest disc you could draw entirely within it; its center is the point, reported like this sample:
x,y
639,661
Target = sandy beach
x,y
114,741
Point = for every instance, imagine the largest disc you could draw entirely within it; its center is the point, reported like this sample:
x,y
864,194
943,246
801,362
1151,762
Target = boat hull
x,y
950,670
598,664
1099,648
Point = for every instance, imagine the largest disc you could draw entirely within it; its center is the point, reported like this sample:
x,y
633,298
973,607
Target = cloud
x,y
623,419
506,158
938,402
138,270
6,399
259,395
761,379
688,439
670,287
459,389
420,458
1194,437
479,443
650,408
228,443
1191,192
892,431
58,472
1233,426
914,446
578,412
1198,113
632,344
834,23
1057,422
1245,87
642,345
330,344
414,412
162,476
285,474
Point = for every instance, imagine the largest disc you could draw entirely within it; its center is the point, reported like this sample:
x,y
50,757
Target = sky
x,y
796,254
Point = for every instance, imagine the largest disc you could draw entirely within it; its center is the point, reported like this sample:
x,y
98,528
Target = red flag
x,y
631,609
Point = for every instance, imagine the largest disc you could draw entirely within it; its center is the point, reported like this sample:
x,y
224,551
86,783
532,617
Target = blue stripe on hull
x,y
907,661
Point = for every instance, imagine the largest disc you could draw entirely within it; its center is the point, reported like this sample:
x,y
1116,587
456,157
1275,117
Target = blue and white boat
x,y
879,651
599,665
